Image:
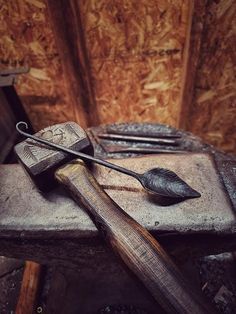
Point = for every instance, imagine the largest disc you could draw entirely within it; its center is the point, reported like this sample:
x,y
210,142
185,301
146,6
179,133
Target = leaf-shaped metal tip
x,y
194,194
166,183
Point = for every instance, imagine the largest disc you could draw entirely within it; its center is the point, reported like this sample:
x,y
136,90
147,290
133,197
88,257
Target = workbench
x,y
51,229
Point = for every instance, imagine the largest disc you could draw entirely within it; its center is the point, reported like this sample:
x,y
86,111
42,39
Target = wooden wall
x,y
212,113
103,61
136,53
26,38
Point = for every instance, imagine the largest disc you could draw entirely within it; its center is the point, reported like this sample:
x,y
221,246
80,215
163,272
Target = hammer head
x,y
41,161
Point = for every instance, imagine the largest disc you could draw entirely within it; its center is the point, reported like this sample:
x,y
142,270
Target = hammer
x,y
135,245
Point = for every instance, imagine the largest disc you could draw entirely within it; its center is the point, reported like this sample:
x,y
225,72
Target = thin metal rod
x,y
75,153
141,150
119,137
143,134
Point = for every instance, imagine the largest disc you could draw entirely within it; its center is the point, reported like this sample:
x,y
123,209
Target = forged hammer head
x,y
41,161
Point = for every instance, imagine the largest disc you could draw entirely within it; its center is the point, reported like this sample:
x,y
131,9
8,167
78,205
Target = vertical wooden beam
x,y
69,37
191,57
213,112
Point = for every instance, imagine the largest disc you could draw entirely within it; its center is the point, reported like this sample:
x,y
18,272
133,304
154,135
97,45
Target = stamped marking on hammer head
x,y
67,136
41,160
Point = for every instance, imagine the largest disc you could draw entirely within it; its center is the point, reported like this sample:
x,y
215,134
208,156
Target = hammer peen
x,y
134,244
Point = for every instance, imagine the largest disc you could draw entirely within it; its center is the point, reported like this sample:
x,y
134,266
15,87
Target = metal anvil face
x,y
41,161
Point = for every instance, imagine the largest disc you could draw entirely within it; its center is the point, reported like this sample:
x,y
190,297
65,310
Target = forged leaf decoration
x,y
167,183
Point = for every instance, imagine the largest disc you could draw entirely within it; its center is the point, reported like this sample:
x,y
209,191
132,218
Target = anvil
x,y
200,172
27,215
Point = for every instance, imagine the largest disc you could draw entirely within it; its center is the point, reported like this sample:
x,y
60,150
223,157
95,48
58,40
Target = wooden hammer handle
x,y
138,249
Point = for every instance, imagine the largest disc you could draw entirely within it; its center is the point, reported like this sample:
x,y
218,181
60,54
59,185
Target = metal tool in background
x,y
142,134
113,149
158,181
160,140
140,142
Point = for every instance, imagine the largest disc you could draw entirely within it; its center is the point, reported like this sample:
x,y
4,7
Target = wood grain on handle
x,y
29,288
138,249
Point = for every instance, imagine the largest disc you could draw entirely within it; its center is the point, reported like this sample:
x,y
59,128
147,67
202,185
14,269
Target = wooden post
x,y
65,19
191,56
29,288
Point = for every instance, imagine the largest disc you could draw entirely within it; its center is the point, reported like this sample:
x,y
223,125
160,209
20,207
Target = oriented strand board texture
x,y
136,54
213,113
26,38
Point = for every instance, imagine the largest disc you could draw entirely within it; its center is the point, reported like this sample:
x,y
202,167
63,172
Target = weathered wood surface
x,y
133,243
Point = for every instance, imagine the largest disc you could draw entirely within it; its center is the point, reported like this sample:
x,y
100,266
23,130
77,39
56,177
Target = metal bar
x,y
144,150
146,134
119,137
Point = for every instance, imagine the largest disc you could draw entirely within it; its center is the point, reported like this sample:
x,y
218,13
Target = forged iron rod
x,y
142,139
157,180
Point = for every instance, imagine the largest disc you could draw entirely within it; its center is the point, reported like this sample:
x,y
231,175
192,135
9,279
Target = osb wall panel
x,y
213,113
26,38
136,53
